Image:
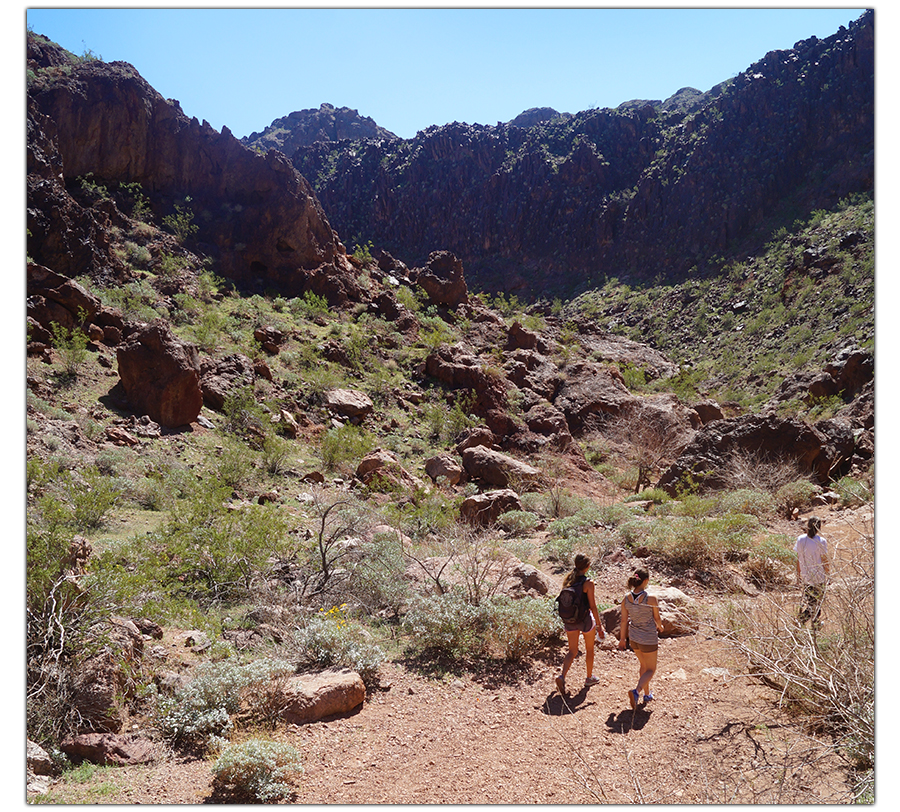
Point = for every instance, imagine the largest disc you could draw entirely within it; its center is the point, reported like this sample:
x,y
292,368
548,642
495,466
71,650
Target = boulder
x,y
527,581
38,760
382,469
484,508
443,280
819,452
310,697
674,611
589,392
104,679
110,749
269,338
496,468
446,467
53,297
349,403
160,374
471,437
222,377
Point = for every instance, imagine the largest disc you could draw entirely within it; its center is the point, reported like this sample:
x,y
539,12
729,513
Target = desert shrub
x,y
92,496
748,500
181,221
853,492
378,580
562,549
517,627
258,769
276,454
333,638
233,467
310,305
656,495
768,558
217,552
701,542
71,346
200,712
795,494
517,522
342,446
445,623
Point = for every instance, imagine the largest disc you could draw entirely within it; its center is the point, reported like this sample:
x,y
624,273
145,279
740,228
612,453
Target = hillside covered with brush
x,y
310,449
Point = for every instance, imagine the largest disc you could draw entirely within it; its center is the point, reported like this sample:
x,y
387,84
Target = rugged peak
x,y
304,127
537,115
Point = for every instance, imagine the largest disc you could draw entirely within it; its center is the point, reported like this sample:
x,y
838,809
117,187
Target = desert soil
x,y
503,735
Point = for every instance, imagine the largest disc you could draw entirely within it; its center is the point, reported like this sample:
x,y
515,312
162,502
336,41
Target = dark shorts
x,y
585,626
643,647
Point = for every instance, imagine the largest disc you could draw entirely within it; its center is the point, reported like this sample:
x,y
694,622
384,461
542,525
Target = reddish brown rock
x,y
110,749
485,508
311,697
161,375
443,280
222,377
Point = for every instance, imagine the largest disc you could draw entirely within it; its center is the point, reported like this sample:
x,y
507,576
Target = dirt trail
x,y
505,736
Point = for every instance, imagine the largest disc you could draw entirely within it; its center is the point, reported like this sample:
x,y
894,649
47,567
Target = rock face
x,y
820,450
312,697
537,208
161,374
443,280
257,213
496,468
486,508
304,127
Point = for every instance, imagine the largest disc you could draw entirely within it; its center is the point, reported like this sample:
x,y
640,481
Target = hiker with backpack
x,y
577,608
640,628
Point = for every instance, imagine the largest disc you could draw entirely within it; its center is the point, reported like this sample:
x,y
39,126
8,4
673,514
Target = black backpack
x,y
572,602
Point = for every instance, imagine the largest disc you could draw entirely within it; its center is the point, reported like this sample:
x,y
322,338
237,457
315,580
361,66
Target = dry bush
x,y
826,675
758,471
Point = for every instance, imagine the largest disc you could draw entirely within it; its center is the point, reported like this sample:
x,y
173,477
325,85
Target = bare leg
x,y
647,660
572,653
589,653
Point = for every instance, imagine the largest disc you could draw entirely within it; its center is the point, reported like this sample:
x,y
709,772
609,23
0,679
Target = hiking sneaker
x,y
560,685
633,697
648,697
591,681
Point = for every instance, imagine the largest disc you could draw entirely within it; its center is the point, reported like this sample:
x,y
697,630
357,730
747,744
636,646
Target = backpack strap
x,y
635,597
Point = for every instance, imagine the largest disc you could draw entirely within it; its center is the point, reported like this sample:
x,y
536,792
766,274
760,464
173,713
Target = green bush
x,y
71,345
181,221
332,638
200,713
345,445
796,494
259,769
517,522
747,500
518,627
445,623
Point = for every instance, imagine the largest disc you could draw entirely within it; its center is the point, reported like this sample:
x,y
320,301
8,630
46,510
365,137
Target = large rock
x,y
444,467
820,450
110,749
591,392
311,697
443,280
498,469
222,377
485,508
349,403
161,374
104,679
382,470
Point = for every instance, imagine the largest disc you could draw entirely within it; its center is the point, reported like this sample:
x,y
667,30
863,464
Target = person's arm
x,y
826,561
656,617
623,626
592,602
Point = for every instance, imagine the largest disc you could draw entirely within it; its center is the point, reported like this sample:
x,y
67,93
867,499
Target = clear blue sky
x,y
409,68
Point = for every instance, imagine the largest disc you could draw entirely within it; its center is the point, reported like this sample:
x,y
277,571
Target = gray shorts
x,y
586,625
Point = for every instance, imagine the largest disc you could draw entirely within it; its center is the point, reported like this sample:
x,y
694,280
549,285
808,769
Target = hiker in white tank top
x,y
640,626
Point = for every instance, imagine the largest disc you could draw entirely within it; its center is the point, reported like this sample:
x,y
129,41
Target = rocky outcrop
x,y
111,749
255,213
638,191
824,450
497,469
443,280
304,127
160,374
485,508
220,378
350,404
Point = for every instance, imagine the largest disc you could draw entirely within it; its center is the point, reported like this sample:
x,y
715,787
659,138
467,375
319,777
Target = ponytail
x,y
813,526
638,578
582,562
